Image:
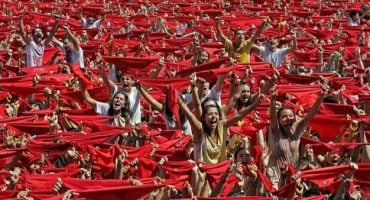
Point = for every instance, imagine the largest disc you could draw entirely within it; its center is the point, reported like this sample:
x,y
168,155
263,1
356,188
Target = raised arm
x,y
272,112
194,122
227,43
310,115
194,92
218,85
75,42
235,92
57,42
259,31
244,111
23,33
156,104
88,98
82,19
111,85
53,31
294,46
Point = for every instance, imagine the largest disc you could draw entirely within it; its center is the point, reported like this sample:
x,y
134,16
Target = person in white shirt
x,y
35,46
271,53
354,19
128,89
91,22
117,107
71,47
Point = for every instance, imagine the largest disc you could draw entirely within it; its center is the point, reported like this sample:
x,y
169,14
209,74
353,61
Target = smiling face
x,y
239,36
203,57
118,102
37,34
286,119
246,94
205,89
126,83
211,117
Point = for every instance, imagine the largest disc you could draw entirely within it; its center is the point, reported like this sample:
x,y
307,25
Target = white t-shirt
x,y
34,54
76,57
352,23
135,105
274,57
96,24
103,109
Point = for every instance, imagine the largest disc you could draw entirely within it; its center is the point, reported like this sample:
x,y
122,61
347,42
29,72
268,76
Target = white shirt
x,y
274,57
96,24
76,57
103,109
34,54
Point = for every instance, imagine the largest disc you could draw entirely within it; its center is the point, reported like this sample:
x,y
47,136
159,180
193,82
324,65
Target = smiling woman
x,y
209,133
118,107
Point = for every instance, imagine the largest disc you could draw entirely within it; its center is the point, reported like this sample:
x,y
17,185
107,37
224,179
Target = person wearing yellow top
x,y
209,133
241,48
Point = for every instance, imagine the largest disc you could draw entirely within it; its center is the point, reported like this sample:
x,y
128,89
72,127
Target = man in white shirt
x,y
91,22
271,53
35,46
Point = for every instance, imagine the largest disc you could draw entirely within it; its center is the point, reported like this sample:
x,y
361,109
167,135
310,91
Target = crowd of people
x,y
185,99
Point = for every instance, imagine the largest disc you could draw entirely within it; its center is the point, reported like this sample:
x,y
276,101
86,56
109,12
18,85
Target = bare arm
x,y
273,114
52,32
235,91
310,115
360,63
88,98
157,105
294,46
82,18
196,100
57,42
243,112
194,122
218,85
23,33
75,42
258,32
227,43
111,85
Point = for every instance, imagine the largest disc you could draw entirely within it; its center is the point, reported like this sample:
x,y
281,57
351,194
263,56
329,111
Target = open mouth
x,y
245,99
335,159
213,122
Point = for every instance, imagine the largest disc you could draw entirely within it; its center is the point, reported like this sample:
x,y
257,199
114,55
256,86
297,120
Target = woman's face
x,y
212,116
119,101
246,94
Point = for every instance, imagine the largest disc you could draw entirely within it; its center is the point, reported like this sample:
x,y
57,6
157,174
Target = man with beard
x,y
284,136
35,46
71,47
